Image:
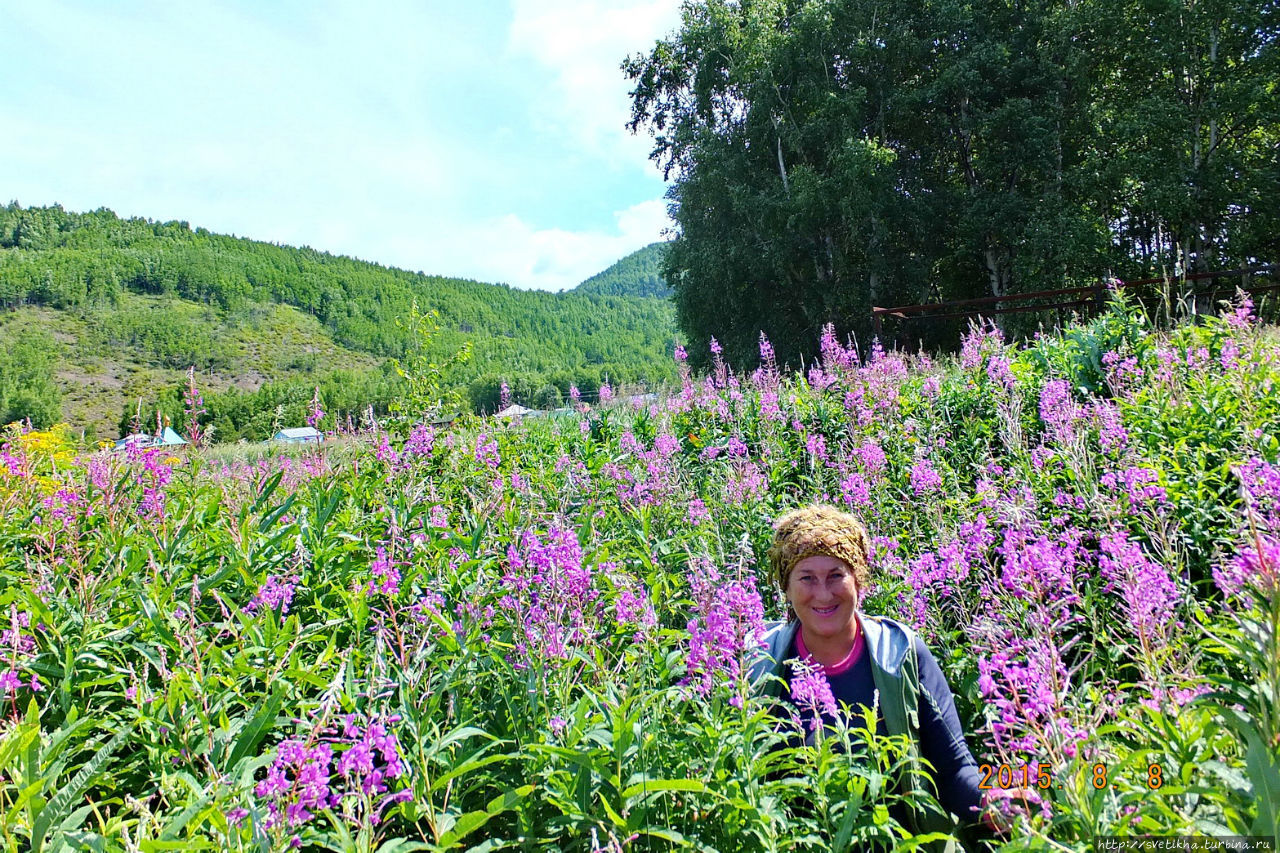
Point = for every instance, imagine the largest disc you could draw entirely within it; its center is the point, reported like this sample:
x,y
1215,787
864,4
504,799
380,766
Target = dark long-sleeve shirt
x,y
942,741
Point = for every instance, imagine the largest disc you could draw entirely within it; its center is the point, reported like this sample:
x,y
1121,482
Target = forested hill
x,y
120,299
638,274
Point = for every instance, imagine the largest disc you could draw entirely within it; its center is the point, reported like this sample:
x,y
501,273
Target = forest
x,y
828,156
175,297
638,274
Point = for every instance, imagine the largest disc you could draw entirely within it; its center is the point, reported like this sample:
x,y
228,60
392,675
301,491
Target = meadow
x,y
532,636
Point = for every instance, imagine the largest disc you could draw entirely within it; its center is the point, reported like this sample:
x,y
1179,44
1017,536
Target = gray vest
x,y
895,668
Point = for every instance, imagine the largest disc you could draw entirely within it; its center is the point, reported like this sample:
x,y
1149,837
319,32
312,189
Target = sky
x,y
484,140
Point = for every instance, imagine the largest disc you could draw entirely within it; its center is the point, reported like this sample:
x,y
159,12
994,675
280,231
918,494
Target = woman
x,y
821,561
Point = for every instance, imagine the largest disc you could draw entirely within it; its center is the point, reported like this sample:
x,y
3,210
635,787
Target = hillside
x,y
126,305
638,274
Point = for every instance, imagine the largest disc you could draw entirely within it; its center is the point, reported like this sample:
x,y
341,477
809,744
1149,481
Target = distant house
x,y
139,439
299,435
166,438
515,410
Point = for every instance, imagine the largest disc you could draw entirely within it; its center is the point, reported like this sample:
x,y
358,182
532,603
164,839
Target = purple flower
x,y
767,357
297,782
854,490
729,624
486,452
1256,565
924,479
316,414
10,682
698,511
275,593
1058,410
421,441
812,692
386,577
1148,591
1242,316
998,372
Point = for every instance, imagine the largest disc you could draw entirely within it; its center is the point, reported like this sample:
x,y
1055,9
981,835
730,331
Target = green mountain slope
x,y
638,274
126,305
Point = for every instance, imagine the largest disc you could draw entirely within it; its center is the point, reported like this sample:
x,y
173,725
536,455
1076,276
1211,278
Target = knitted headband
x,y
819,530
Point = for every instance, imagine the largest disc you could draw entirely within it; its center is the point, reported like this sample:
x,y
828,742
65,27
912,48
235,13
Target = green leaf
x,y
255,730
59,806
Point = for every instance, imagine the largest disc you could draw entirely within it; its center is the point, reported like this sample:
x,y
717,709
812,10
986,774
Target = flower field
x,y
533,636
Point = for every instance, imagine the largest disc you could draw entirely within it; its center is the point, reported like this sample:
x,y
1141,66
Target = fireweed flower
x,y
276,593
769,406
816,446
1058,411
385,575
1112,435
924,479
1036,568
999,373
767,358
1149,593
811,692
1242,316
977,343
421,441
297,783
1023,682
550,595
301,779
372,758
486,451
835,356
632,609
1256,565
316,414
1261,484
745,484
820,380
19,648
728,626
698,512
385,453
854,490
936,574
872,457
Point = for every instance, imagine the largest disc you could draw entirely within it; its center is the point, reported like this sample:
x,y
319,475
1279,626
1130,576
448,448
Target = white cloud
x,y
508,249
480,143
584,42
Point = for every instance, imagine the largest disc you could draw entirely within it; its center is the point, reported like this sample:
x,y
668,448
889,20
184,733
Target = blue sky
x,y
482,140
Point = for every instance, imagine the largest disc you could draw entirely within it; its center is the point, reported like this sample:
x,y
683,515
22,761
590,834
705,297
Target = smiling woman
x,y
820,559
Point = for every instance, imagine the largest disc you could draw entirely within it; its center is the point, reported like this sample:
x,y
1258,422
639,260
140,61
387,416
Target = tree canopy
x,y
827,156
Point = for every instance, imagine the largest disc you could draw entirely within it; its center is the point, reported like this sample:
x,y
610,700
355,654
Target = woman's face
x,y
824,595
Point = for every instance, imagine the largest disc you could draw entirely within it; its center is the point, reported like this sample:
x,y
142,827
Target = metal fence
x,y
1182,294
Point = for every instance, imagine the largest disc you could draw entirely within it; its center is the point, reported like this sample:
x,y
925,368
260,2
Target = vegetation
x,y
827,156
638,274
151,299
531,636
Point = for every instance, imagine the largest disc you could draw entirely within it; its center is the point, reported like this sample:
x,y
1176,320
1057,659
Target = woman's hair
x,y
819,530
